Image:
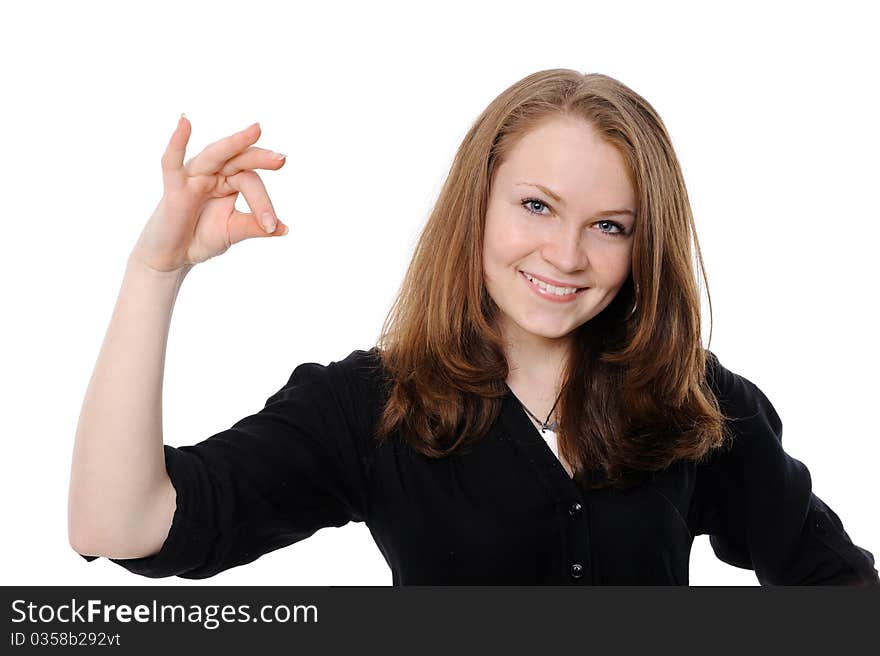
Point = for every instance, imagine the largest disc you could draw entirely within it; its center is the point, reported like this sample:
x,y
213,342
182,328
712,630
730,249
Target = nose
x,y
565,250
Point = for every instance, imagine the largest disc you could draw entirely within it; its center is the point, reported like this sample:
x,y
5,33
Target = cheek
x,y
497,243
613,266
508,242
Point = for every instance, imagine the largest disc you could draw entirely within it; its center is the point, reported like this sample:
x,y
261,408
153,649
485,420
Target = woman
x,y
538,409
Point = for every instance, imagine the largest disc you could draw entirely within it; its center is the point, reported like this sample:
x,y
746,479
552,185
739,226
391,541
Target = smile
x,y
551,292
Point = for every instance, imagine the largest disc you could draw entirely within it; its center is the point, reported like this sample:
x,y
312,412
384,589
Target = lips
x,y
549,296
555,283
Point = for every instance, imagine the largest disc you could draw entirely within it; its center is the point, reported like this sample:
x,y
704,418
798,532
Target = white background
x,y
772,109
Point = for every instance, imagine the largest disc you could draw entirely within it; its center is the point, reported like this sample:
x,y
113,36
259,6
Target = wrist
x,y
140,267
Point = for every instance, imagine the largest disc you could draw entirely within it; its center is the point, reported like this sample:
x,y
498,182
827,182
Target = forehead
x,y
567,155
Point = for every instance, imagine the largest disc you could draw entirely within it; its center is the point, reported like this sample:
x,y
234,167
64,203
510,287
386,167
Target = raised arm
x,y
121,499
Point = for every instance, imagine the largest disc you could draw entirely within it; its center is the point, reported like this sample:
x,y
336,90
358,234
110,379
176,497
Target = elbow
x,y
83,535
80,545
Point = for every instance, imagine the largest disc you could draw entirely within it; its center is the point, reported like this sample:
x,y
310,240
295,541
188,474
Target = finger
x,y
172,159
249,184
244,225
254,158
214,156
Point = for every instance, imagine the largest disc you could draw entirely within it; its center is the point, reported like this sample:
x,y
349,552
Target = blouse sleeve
x,y
757,505
272,479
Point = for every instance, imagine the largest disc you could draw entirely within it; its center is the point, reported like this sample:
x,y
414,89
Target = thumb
x,y
245,225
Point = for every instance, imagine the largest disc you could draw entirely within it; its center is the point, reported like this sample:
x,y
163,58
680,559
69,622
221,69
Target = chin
x,y
548,332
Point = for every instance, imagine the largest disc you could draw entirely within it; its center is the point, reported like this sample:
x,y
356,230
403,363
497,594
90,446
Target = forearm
x,y
118,471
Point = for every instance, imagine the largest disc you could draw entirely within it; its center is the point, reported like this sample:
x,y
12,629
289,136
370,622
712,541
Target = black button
x,y
577,571
574,509
820,527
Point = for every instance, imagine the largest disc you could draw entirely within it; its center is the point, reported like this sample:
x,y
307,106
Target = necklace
x,y
546,424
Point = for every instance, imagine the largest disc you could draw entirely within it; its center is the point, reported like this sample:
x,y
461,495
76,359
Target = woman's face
x,y
581,240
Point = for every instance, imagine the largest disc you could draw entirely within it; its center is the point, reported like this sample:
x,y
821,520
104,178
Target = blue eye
x,y
526,201
621,230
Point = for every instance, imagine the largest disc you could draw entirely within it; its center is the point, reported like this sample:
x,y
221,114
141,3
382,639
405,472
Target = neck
x,y
536,364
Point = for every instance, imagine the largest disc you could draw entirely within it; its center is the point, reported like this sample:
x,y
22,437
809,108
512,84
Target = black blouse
x,y
506,512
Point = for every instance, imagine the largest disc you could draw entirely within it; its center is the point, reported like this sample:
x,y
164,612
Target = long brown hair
x,y
635,396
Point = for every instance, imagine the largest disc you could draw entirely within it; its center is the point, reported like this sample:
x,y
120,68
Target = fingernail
x,y
278,155
268,222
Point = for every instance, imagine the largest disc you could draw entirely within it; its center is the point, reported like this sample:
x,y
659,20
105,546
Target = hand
x,y
196,218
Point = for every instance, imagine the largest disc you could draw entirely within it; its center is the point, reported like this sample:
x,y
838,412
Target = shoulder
x,y
352,383
356,383
361,364
361,370
751,420
739,397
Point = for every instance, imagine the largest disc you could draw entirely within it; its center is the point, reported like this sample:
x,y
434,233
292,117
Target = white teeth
x,y
559,291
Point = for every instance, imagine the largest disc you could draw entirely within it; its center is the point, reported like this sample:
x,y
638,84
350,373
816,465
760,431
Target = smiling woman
x,y
567,267
539,407
579,264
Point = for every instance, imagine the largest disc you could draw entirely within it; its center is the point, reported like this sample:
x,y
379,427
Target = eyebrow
x,y
559,200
